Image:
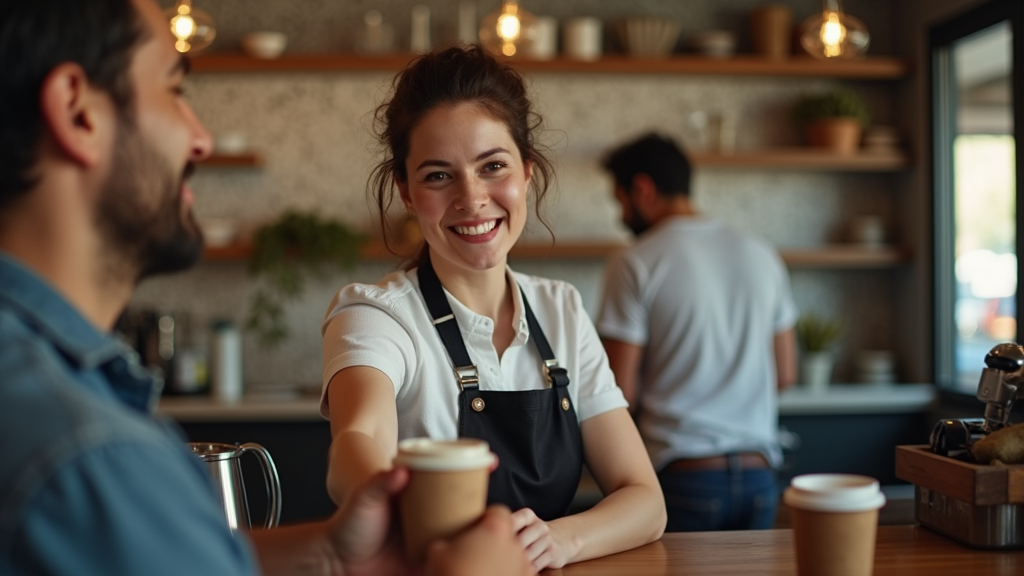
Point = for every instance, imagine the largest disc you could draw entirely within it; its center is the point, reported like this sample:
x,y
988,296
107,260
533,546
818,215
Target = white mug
x,y
583,38
545,38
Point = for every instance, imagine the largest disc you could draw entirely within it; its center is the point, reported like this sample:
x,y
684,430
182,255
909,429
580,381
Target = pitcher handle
x,y
271,480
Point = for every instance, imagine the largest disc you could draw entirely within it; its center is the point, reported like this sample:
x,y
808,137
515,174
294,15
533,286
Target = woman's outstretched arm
x,y
364,428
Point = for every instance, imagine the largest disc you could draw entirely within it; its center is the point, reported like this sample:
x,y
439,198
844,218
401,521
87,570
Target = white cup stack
x,y
875,367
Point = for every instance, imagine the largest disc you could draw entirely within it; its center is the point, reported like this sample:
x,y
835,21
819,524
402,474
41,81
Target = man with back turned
x,y
697,320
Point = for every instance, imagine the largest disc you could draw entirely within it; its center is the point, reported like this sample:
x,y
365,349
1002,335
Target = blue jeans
x,y
732,499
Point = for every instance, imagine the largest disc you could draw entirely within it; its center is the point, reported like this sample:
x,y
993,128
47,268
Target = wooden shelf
x,y
566,250
844,256
231,253
248,160
836,256
376,251
772,159
872,68
805,159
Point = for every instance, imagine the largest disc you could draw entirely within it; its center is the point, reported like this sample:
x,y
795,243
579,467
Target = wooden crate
x,y
984,485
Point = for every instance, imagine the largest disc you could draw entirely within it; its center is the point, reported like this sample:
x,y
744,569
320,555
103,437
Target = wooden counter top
x,y
838,399
901,551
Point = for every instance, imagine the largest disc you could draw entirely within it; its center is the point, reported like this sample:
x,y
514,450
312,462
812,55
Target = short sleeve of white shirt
x,y
596,383
786,313
624,314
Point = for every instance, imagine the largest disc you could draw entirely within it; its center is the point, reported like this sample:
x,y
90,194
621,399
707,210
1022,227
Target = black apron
x,y
535,433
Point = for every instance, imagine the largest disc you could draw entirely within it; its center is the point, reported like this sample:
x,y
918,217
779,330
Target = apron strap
x,y
448,329
555,374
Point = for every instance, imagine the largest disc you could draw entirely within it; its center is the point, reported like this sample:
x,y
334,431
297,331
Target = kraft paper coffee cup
x,y
447,489
835,517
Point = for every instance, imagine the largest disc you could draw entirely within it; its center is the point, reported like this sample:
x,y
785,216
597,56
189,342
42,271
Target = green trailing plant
x,y
839,103
817,333
285,253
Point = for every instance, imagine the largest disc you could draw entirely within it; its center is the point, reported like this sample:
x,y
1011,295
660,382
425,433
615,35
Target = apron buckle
x,y
467,377
555,374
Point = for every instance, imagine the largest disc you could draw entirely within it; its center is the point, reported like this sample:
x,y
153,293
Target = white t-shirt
x,y
387,326
705,302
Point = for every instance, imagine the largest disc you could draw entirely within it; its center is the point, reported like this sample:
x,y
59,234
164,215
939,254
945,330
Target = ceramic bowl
x,y
715,43
648,37
265,45
230,143
218,232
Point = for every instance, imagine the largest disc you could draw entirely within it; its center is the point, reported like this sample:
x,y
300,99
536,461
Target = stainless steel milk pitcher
x,y
223,461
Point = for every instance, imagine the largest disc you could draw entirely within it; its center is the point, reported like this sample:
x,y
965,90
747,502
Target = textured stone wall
x,y
314,131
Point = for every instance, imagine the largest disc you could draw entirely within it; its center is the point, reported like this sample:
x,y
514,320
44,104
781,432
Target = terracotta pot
x,y
841,135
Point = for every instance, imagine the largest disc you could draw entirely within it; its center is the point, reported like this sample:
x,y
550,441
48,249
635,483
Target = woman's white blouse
x,y
388,327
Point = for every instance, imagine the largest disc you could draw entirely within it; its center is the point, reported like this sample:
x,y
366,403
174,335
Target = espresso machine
x,y
981,506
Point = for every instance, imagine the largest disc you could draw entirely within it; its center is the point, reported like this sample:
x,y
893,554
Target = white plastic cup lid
x,y
444,455
834,493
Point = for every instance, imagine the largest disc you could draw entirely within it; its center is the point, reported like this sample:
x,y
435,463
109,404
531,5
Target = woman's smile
x,y
481,232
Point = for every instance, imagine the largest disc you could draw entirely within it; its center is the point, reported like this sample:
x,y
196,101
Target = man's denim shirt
x,y
90,483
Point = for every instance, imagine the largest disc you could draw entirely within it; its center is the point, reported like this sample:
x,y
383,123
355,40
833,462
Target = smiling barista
x,y
530,375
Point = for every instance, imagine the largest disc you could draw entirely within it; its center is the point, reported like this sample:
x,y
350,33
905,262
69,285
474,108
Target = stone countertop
x,y
858,399
251,408
845,399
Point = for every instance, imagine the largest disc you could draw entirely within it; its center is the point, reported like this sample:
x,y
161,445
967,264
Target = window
x,y
975,80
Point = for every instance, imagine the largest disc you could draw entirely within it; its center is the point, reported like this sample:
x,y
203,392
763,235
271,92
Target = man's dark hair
x,y
35,37
658,157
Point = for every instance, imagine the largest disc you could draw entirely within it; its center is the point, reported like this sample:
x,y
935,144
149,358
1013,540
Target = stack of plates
x,y
648,37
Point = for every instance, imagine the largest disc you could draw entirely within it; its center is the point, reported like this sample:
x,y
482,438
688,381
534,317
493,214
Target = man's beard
x,y
636,222
139,213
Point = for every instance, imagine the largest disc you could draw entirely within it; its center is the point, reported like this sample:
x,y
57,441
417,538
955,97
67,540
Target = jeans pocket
x,y
762,511
689,514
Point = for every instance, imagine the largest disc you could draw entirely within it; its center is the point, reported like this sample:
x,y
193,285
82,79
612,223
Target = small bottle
x,y
419,40
467,22
227,361
191,372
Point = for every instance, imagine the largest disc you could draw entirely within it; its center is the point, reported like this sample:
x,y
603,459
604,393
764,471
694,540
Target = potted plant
x,y
816,335
833,120
287,251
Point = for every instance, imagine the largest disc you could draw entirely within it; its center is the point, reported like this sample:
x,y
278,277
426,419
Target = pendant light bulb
x,y
507,30
832,33
508,25
192,28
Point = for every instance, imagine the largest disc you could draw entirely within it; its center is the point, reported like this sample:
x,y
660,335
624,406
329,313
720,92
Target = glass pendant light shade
x,y
192,28
509,30
832,33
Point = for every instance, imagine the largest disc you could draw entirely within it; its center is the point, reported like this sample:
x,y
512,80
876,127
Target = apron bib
x,y
535,433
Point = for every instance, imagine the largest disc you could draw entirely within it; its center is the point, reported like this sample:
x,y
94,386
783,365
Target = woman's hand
x,y
489,547
545,545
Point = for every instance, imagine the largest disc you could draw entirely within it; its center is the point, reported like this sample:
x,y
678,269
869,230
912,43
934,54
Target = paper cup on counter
x,y
447,489
835,519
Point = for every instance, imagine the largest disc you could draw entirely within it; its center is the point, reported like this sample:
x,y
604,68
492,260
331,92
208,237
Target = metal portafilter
x,y
998,388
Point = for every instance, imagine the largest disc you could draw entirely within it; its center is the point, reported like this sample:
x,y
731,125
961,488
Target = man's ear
x,y
643,189
76,114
